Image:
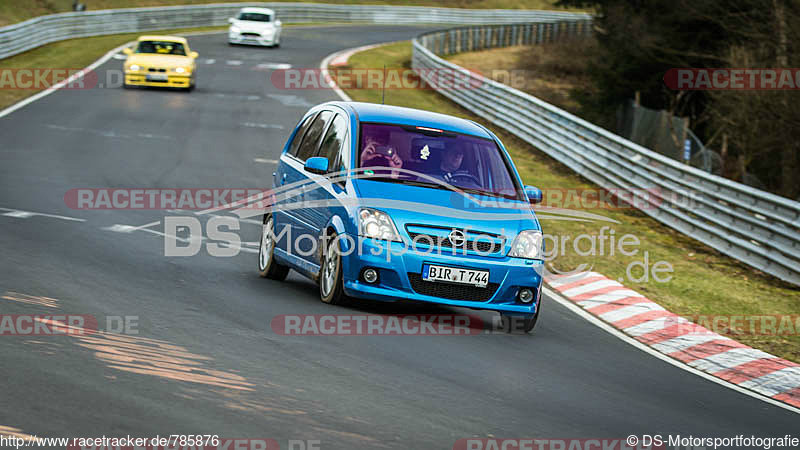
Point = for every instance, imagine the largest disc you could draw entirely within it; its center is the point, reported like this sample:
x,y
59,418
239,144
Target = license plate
x,y
478,278
156,77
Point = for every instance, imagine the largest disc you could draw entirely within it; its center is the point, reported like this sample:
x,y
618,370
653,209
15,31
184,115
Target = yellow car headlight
x,y
134,68
180,70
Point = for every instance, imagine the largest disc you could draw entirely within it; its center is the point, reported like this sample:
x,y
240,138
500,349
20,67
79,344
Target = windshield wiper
x,y
408,182
488,193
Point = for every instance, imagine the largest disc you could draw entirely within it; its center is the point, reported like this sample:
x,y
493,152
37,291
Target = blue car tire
x,y
267,266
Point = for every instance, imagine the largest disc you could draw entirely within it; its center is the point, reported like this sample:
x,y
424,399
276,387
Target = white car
x,y
256,26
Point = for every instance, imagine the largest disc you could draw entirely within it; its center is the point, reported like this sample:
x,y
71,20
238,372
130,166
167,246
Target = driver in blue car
x,y
451,163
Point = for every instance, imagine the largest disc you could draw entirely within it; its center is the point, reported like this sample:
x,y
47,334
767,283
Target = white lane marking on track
x,y
290,100
239,97
119,228
262,125
120,56
270,66
233,62
107,133
179,239
250,221
20,214
265,161
148,225
130,228
209,61
241,248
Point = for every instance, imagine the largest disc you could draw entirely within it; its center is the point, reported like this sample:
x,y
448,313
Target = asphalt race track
x,y
210,317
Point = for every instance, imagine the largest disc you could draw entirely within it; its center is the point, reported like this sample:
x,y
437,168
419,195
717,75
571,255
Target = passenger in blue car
x,y
377,152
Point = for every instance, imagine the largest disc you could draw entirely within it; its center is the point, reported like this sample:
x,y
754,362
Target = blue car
x,y
387,203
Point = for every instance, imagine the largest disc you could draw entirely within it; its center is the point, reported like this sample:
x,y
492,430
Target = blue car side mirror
x,y
534,194
317,164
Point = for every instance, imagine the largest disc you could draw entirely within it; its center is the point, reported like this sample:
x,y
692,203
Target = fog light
x,y
370,275
525,295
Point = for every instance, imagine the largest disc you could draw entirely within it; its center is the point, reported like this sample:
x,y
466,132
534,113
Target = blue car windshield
x,y
423,156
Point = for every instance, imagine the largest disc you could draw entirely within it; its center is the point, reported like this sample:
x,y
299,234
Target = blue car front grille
x,y
474,245
451,291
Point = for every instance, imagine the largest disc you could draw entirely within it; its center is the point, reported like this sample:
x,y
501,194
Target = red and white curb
x,y
341,58
678,338
646,325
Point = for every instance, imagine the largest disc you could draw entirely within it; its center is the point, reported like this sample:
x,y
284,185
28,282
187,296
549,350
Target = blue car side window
x,y
308,147
298,137
332,143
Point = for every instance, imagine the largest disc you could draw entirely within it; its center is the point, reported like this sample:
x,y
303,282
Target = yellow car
x,y
160,61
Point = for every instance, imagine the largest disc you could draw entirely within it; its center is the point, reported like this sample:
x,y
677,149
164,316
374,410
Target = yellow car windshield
x,y
161,47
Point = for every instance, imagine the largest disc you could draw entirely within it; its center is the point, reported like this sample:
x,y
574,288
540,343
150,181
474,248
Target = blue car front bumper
x,y
400,278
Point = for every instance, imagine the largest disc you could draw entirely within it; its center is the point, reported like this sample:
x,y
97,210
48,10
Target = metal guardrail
x,y
758,228
24,36
753,226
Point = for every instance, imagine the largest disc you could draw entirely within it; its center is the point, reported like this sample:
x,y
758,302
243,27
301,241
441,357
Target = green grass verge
x,y
704,281
12,11
550,71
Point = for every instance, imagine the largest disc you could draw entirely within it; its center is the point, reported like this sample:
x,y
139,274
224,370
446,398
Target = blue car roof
x,y
373,112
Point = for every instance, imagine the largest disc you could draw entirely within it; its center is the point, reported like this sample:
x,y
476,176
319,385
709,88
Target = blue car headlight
x,y
376,225
528,245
